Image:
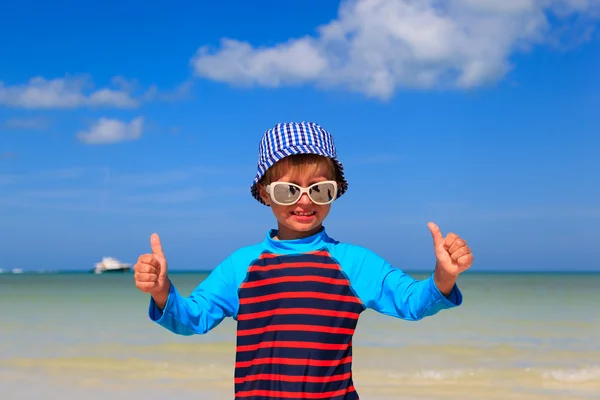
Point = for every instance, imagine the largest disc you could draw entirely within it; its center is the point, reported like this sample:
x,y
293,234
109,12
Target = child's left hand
x,y
453,257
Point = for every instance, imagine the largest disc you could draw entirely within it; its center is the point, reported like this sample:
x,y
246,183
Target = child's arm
x,y
213,300
390,291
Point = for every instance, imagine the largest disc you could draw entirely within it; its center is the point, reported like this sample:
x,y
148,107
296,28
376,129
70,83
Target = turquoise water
x,y
517,336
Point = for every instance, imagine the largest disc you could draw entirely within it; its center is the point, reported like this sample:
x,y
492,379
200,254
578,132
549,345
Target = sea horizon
x,y
202,271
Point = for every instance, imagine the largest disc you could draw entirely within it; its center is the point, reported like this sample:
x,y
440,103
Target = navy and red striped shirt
x,y
297,304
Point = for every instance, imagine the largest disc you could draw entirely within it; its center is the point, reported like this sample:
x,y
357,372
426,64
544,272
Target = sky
x,y
119,119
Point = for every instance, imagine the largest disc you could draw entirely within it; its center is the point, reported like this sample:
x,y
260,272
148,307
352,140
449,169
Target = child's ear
x,y
264,195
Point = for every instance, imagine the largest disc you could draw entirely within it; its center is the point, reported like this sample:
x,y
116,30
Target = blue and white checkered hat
x,y
286,139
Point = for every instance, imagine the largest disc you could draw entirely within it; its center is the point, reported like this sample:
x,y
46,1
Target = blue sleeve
x,y
389,290
214,299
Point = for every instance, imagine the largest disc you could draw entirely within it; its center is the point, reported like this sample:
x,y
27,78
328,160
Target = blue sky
x,y
119,119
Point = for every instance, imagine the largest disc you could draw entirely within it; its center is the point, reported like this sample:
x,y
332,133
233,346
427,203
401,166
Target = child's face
x,y
303,218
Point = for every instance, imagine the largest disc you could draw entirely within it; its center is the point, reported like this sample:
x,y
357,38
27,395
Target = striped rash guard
x,y
297,303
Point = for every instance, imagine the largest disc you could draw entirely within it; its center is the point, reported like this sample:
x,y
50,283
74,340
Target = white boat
x,y
110,264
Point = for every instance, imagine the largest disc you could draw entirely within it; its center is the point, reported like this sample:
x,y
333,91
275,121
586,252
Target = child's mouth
x,y
304,214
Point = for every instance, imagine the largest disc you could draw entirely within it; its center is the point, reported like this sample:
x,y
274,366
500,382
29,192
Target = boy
x,y
298,294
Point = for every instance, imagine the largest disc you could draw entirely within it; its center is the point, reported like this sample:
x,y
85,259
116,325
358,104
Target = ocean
x,y
516,336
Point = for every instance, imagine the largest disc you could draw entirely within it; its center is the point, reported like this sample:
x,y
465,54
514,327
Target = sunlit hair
x,y
299,165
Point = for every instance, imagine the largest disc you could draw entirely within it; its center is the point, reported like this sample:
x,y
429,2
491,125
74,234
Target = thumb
x,y
157,249
158,252
438,239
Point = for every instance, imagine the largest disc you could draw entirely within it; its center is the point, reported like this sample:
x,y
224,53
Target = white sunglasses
x,y
286,193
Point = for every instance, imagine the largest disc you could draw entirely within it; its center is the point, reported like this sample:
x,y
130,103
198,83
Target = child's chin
x,y
302,226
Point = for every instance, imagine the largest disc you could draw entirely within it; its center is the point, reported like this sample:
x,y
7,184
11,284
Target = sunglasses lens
x,y
286,193
322,193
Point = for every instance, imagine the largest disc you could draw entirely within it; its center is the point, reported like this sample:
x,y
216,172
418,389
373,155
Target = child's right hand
x,y
150,272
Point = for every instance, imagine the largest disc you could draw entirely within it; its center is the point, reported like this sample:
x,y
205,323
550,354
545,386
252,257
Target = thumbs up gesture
x,y
453,257
150,272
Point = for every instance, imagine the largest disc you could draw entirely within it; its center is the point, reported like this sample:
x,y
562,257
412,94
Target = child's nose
x,y
304,199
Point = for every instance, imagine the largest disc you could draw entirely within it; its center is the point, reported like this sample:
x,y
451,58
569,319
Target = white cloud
x,y
73,92
153,93
180,92
64,93
108,131
378,46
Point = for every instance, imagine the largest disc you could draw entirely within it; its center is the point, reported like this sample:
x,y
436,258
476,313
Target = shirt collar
x,y
310,243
